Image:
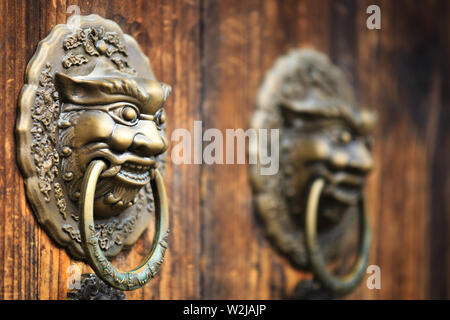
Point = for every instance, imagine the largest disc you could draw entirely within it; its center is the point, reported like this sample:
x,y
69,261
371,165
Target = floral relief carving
x,y
45,113
95,42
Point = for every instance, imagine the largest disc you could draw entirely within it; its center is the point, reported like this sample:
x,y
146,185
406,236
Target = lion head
x,y
324,135
116,117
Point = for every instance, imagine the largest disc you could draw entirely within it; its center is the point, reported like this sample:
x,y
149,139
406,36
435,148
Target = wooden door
x,y
214,54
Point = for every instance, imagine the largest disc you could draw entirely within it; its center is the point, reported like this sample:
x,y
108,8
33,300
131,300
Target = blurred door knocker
x,y
310,207
91,143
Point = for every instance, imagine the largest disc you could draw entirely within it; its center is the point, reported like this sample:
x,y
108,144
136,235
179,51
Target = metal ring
x,y
336,284
139,276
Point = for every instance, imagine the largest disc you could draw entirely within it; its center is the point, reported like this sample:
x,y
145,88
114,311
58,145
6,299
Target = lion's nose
x,y
360,158
146,147
354,156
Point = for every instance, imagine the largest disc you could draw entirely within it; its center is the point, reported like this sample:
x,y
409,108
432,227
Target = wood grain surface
x,y
214,54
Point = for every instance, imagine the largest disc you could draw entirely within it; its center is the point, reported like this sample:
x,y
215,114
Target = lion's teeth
x,y
110,199
135,172
111,171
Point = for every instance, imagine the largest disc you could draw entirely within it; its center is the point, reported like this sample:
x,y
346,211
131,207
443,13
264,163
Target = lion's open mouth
x,y
343,186
346,192
134,173
126,167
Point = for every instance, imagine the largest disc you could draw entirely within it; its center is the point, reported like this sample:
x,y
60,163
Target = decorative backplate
x,y
78,104
322,134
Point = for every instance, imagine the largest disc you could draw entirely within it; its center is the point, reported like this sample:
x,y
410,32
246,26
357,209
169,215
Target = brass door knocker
x,y
310,207
139,276
91,146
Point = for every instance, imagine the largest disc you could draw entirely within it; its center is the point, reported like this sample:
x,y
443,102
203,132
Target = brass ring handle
x,y
336,284
139,276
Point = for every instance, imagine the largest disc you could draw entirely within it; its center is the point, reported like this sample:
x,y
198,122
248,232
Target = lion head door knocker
x,y
91,143
310,207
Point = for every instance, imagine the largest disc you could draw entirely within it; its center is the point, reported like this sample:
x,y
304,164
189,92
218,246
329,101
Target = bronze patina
x,y
311,204
91,143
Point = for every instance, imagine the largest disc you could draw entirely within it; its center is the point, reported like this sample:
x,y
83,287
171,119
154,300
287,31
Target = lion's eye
x,y
126,114
341,135
129,114
160,117
345,136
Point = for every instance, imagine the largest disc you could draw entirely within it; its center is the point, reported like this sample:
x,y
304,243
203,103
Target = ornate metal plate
x,y
44,131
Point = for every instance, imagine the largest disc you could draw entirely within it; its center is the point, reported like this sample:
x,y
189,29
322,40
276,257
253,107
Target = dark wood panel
x,y
399,72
